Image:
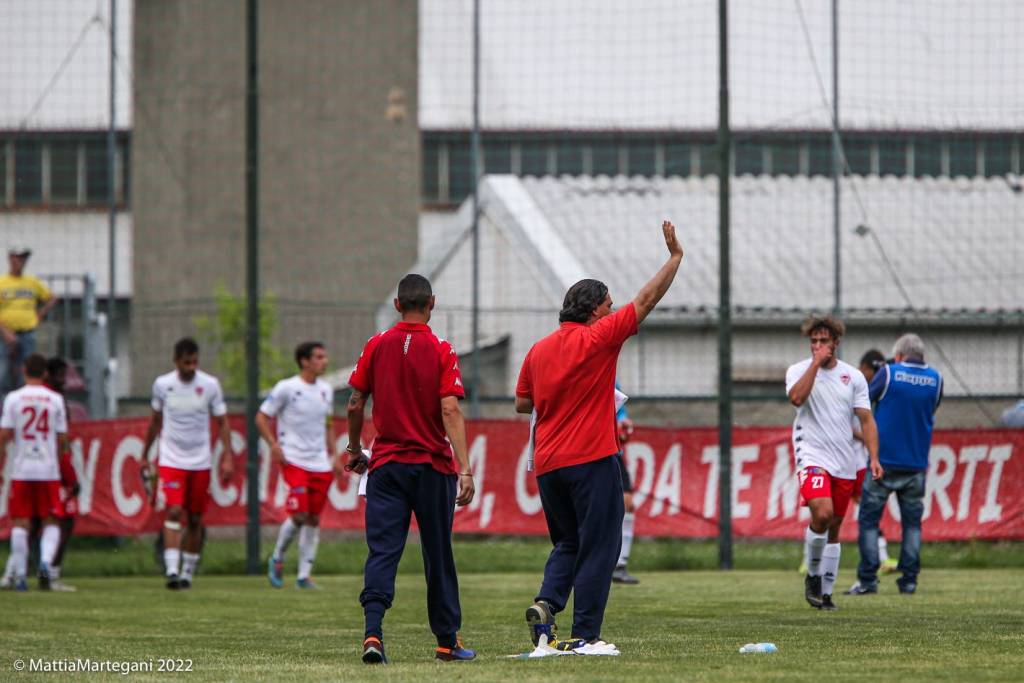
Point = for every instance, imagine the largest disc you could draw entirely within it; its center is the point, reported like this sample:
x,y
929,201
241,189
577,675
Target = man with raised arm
x,y
569,378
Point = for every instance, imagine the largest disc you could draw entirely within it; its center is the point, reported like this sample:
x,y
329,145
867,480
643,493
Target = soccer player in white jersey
x,y
34,418
304,449
827,394
183,401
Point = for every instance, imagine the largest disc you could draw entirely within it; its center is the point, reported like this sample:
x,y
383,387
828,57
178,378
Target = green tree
x,y
224,334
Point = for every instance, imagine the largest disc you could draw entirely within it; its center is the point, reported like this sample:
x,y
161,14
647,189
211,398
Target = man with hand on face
x,y
183,402
827,393
420,465
303,448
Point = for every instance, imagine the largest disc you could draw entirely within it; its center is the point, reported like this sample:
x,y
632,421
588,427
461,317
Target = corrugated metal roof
x,y
954,243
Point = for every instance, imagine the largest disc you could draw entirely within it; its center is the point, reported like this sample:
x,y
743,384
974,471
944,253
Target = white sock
x,y
309,539
48,544
9,569
814,544
628,521
172,558
19,551
188,564
285,536
830,567
883,549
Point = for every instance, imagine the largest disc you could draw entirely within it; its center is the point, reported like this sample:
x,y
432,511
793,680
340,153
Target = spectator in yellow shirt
x,y
24,301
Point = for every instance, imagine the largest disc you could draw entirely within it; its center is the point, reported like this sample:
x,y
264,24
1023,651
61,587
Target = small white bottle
x,y
758,647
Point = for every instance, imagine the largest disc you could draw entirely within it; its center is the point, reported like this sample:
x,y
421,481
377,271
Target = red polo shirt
x,y
570,376
408,370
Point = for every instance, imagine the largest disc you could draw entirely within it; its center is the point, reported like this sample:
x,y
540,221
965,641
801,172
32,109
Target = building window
x,y
64,172
28,172
785,157
677,159
858,156
497,156
533,158
708,158
963,158
749,158
998,156
430,187
3,172
892,156
569,158
927,158
819,159
642,158
460,175
604,158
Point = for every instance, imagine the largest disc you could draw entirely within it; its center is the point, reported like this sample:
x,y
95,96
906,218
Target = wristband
x,y
466,474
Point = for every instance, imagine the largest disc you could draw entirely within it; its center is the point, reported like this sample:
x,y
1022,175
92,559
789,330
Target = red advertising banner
x,y
972,486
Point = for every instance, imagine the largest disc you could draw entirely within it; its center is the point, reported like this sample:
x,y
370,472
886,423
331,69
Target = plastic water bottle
x,y
758,647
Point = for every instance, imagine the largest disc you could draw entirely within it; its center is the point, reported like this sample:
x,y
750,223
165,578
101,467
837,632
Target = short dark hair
x,y
831,324
873,358
185,346
304,351
35,366
414,292
581,300
55,365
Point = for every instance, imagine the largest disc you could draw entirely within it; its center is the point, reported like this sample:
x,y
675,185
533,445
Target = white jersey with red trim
x,y
822,431
36,415
186,408
302,411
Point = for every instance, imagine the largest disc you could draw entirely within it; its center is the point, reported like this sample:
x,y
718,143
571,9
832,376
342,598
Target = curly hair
x,y
833,325
581,300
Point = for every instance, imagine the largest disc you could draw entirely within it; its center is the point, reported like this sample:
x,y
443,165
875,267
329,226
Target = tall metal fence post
x,y
724,300
252,318
474,398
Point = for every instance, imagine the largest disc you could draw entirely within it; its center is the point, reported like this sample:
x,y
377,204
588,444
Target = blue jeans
x,y
909,489
12,358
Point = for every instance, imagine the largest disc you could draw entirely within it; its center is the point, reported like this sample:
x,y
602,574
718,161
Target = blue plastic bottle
x,y
758,647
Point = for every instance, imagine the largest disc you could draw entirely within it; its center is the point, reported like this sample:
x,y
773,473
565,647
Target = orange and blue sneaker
x,y
373,651
459,653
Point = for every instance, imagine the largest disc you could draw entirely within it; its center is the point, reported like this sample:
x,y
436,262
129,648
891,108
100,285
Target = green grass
x,y
105,557
962,625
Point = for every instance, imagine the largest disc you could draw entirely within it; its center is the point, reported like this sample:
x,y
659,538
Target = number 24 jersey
x,y
36,415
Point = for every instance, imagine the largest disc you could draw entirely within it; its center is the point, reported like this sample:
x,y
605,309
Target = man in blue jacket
x,y
906,394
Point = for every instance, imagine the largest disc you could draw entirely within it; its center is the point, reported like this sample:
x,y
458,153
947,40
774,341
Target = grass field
x,y
962,625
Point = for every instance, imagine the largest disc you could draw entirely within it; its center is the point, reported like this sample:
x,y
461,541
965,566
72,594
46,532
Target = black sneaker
x,y
620,575
173,583
541,620
373,651
184,583
906,587
44,577
826,603
812,591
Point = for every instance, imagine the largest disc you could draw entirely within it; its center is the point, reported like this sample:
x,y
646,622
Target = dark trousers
x,y
583,508
394,492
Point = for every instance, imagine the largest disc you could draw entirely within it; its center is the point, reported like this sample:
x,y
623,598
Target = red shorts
x,y
68,503
188,488
35,499
816,482
307,491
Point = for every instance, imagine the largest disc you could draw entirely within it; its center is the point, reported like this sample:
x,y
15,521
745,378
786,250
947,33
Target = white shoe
x,y
7,583
598,648
61,587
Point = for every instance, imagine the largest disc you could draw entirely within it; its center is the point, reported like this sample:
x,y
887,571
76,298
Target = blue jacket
x,y
906,395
